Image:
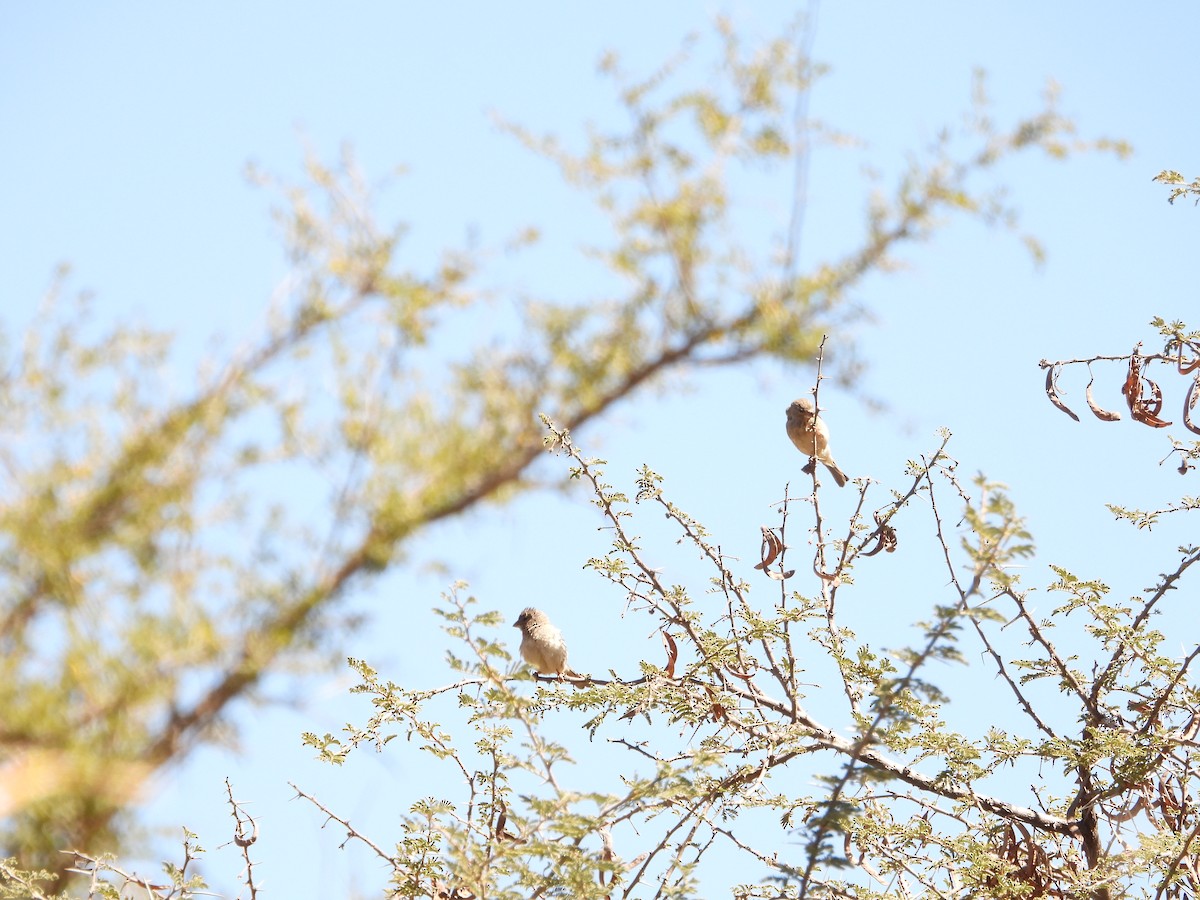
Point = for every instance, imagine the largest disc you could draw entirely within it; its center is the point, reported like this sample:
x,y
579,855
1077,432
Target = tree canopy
x,y
162,554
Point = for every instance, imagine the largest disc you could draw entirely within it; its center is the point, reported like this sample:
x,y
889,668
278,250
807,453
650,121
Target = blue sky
x,y
129,128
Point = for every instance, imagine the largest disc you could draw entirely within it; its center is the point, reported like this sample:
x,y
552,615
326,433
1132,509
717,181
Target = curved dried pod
x,y
672,652
1100,413
1132,388
1146,410
1130,811
772,546
1185,366
1052,392
834,578
885,535
1189,403
1153,405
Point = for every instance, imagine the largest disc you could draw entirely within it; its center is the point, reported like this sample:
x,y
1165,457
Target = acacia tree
x,y
153,567
883,793
1180,186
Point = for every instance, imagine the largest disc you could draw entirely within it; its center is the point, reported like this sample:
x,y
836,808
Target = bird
x,y
542,644
811,437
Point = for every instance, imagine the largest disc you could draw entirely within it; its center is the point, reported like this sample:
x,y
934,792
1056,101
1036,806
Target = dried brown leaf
x,y
1189,403
717,710
672,653
1146,411
501,833
772,546
1141,409
1132,388
886,536
1185,368
1099,412
1155,403
1052,392
832,577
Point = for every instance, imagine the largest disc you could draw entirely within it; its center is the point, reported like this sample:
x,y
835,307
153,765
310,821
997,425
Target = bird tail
x,y
838,475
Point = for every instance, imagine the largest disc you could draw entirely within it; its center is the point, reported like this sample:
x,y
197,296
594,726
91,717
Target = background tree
x,y
155,565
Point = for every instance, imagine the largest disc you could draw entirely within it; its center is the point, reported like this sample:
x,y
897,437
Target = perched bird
x,y
811,437
542,644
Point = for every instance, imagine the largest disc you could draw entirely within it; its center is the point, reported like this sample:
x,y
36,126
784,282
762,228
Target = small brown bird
x,y
811,437
542,644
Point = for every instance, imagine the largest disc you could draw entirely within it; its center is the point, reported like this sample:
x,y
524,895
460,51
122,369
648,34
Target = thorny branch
x,y
245,833
1143,396
858,751
743,701
100,869
352,834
